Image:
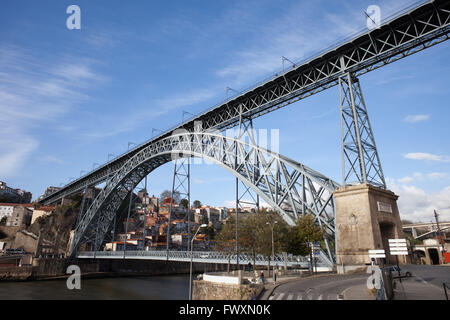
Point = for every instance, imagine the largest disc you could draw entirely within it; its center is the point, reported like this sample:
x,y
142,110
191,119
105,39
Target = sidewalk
x,y
359,292
408,289
417,289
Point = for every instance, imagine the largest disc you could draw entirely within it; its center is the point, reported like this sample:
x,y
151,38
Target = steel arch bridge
x,y
290,187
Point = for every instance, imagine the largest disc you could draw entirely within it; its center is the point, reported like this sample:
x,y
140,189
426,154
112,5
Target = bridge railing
x,y
203,256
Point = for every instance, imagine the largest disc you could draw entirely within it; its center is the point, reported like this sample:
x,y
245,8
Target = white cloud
x,y
158,107
437,175
13,157
417,205
35,92
406,180
417,118
418,176
52,159
426,156
289,38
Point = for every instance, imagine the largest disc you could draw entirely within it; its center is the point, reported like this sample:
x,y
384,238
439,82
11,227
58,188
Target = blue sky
x,y
68,98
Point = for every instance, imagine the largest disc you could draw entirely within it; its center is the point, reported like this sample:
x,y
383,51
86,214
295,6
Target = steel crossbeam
x,y
404,35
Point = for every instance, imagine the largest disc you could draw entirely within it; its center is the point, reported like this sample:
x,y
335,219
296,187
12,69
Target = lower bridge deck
x,y
206,257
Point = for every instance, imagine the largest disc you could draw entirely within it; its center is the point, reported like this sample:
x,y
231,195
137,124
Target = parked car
x,y
395,270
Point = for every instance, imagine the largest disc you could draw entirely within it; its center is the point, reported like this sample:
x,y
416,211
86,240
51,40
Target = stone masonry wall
x,y
204,290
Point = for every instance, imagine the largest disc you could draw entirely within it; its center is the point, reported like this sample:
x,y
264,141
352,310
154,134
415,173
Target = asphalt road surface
x,y
330,287
435,275
320,288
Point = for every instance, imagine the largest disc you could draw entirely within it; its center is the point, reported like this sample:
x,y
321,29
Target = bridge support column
x,y
366,217
360,160
414,232
181,185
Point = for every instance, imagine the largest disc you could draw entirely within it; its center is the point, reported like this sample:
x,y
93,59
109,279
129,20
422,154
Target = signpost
x,y
376,254
398,247
316,251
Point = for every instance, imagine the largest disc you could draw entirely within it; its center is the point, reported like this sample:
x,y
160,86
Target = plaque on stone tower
x,y
384,207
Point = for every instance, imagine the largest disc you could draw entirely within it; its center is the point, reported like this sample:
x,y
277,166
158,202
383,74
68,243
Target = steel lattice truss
x,y
406,34
286,185
360,159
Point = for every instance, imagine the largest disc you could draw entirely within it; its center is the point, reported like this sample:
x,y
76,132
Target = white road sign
x,y
377,254
398,247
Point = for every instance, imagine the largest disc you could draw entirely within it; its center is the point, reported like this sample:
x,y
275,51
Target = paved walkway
x,y
418,289
359,292
413,288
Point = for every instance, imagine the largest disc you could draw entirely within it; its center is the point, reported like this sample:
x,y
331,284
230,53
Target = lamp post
x,y
273,249
190,269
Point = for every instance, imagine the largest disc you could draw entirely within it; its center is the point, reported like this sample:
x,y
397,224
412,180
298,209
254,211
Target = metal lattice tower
x,y
246,131
181,184
360,159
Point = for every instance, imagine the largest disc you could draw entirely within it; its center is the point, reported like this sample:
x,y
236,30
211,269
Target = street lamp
x,y
190,270
273,249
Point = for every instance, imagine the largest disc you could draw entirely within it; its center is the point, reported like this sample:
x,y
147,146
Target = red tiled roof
x,y
177,221
17,204
47,208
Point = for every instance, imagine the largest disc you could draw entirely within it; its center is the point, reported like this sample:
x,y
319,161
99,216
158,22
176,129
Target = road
x,y
329,287
435,275
321,288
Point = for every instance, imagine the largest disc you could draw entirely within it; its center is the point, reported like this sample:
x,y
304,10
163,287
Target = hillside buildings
x,y
11,195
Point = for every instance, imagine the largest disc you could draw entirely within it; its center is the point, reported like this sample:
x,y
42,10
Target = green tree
x,y
308,232
197,204
168,194
184,203
293,243
256,234
226,238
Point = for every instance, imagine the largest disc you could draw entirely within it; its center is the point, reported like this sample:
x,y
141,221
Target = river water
x,y
137,288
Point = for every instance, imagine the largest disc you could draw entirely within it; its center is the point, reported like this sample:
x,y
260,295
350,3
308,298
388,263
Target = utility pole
x,y
441,240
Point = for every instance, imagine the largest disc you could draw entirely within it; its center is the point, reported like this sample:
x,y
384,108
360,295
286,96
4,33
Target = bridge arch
x,y
288,186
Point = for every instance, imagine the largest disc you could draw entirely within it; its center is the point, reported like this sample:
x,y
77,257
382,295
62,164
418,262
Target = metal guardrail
x,y
201,256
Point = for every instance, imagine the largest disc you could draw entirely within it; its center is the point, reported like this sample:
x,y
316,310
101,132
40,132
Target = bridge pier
x,y
366,217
